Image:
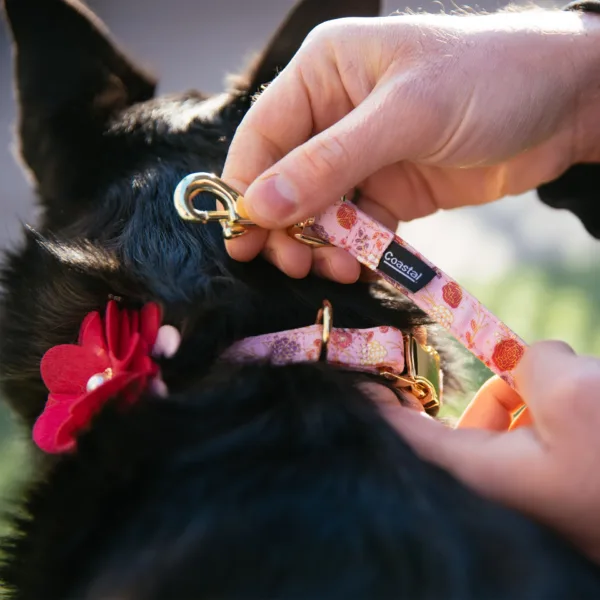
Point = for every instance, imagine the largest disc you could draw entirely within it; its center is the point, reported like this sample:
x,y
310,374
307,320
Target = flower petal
x,y
123,341
112,327
134,320
130,349
91,332
45,429
124,336
66,369
57,427
150,319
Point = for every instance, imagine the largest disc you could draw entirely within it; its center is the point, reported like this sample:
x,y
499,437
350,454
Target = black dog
x,y
254,481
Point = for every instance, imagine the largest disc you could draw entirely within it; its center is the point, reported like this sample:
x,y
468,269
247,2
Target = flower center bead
x,y
95,381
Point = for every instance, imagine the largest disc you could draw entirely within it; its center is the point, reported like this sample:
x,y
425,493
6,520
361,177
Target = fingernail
x,y
240,207
276,198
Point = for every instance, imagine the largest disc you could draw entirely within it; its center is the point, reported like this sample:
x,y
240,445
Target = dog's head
x,y
106,156
246,481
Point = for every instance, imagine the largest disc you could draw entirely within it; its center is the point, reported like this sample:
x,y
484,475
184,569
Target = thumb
x,y
317,173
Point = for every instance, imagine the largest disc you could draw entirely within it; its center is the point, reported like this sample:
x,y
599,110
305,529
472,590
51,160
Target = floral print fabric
x,y
443,299
367,350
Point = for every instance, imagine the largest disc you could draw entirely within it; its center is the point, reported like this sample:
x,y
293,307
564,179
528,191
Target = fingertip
x,y
236,183
368,276
337,265
248,246
419,432
288,255
545,347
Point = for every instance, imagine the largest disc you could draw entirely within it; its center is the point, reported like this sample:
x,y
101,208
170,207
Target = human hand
x,y
546,463
420,112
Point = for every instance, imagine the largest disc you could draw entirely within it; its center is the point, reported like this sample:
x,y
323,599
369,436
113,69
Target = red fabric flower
x,y
113,356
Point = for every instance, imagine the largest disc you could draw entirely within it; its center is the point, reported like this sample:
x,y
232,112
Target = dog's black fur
x,y
253,482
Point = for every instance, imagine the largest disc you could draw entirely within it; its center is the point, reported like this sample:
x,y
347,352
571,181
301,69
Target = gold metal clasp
x,y
298,232
233,225
196,183
422,374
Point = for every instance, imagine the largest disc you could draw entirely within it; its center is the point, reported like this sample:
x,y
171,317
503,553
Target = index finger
x,y
280,120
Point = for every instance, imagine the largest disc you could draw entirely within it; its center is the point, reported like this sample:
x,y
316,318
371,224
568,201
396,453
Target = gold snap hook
x,y
192,185
233,225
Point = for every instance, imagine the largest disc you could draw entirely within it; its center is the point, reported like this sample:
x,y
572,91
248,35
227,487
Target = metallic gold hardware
x,y
192,185
233,225
325,316
297,231
422,375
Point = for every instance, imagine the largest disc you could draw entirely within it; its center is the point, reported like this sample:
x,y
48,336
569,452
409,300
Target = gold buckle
x,y
297,231
422,375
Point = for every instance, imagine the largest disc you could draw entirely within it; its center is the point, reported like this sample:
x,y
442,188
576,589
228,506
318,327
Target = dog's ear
x,y
306,15
70,79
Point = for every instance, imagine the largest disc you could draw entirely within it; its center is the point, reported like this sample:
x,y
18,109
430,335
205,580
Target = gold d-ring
x,y
325,316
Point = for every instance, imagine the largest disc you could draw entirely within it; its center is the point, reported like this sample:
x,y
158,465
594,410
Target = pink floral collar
x,y
368,350
114,357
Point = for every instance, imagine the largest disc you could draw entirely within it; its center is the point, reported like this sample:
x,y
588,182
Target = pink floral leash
x,y
438,295
379,249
